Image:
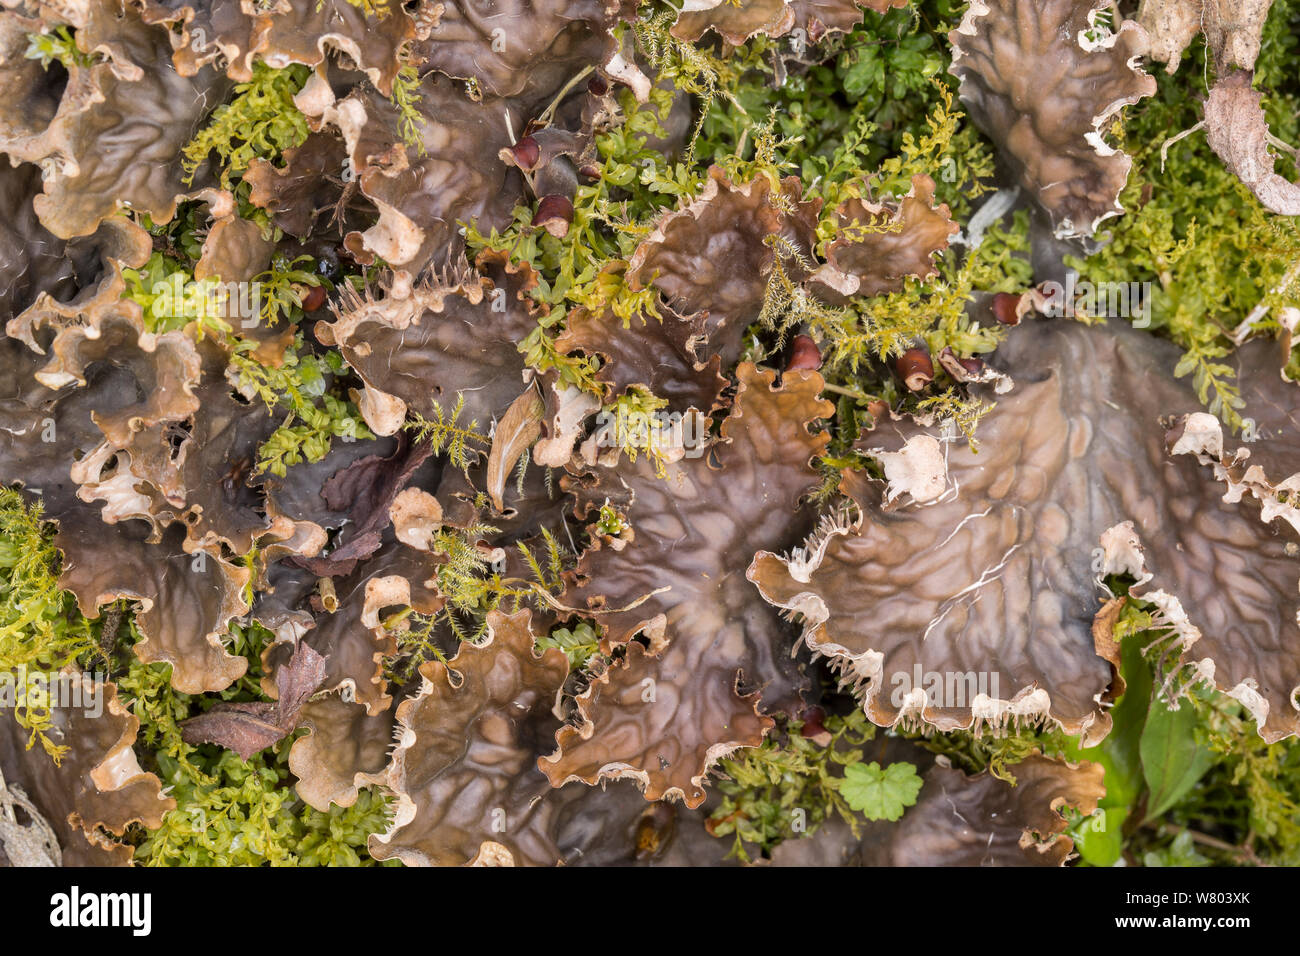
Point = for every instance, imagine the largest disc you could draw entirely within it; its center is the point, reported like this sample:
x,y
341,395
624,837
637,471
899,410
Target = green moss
x,y
788,786
997,754
259,122
406,96
40,628
281,288
245,813
870,104
633,416
473,585
1211,252
840,126
460,441
371,8
877,109
580,643
229,812
612,214
299,386
232,812
172,298
57,46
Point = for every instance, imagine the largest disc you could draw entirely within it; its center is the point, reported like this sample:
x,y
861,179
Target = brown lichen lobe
x,y
997,576
462,771
1045,93
98,789
716,658
962,820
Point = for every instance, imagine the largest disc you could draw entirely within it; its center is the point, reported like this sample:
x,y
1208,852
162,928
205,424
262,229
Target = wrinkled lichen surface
x,y
597,433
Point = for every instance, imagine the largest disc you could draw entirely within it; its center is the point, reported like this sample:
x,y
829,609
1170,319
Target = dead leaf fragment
x,y
248,728
519,427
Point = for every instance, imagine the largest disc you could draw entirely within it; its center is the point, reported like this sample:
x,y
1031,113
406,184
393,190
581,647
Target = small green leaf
x,y
1172,759
1182,852
880,794
1100,838
1119,752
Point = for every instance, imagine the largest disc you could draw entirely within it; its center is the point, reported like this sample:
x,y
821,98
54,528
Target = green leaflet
x,y
1181,852
579,643
1173,759
1100,839
880,794
1118,753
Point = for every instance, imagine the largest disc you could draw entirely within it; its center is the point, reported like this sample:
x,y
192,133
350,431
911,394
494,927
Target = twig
x,y
841,390
545,118
1242,332
1164,147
